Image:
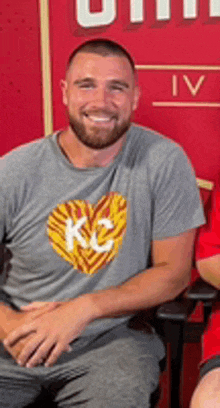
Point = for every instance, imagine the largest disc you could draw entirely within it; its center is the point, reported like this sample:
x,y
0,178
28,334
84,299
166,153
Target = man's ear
x,y
63,86
136,97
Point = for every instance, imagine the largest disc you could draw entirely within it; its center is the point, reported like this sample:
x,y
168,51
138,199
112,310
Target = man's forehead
x,y
90,61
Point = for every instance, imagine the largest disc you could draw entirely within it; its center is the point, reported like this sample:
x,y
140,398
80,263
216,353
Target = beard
x,y
97,138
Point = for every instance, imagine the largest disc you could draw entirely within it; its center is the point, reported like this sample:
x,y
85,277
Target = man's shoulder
x,y
24,158
27,151
152,144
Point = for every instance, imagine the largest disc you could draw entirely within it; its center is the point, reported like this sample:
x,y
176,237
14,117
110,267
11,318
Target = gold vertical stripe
x,y
45,67
207,185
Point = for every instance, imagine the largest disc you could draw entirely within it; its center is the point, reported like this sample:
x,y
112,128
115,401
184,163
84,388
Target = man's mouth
x,y
99,118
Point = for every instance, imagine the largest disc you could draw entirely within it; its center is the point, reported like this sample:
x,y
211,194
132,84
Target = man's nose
x,y
101,97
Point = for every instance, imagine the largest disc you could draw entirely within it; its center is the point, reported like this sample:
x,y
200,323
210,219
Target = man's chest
x,y
83,226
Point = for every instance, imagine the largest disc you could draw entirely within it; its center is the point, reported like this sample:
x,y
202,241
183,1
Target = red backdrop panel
x,y
20,89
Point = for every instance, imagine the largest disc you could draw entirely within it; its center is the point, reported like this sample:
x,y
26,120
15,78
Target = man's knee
x,y
207,392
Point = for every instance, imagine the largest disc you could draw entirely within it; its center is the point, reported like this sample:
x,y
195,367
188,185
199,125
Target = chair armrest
x,y
176,310
201,291
181,308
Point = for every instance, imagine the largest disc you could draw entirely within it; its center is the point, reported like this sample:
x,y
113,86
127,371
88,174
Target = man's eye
x,y
117,88
86,86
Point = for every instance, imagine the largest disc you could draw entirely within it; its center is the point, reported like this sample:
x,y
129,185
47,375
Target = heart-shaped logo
x,y
88,236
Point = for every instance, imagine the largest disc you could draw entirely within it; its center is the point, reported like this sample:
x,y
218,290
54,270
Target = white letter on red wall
x,y
163,9
190,9
88,19
137,11
214,8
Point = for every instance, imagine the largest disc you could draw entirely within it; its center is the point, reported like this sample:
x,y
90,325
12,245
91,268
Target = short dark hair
x,y
102,47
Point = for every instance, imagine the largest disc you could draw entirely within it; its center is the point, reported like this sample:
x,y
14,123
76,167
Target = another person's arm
x,y
208,245
209,269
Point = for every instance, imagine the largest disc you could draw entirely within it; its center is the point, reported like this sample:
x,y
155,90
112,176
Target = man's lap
x,y
119,368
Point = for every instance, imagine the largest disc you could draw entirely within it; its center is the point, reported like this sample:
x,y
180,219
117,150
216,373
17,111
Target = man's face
x,y
100,95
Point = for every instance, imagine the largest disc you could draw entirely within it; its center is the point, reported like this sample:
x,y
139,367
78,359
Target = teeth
x,y
99,119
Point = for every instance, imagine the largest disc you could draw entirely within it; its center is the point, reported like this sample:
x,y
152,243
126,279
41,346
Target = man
x,y
85,213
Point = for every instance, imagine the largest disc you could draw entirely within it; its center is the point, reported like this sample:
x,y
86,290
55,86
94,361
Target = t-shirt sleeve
x,y
3,201
8,181
177,203
208,243
2,218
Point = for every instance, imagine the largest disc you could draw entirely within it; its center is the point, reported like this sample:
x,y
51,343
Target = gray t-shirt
x,y
72,231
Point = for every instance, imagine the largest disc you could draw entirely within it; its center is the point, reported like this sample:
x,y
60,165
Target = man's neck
x,y
82,156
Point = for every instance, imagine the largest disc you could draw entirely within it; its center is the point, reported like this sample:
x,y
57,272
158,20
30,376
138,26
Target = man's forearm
x,y
57,329
172,260
147,289
52,332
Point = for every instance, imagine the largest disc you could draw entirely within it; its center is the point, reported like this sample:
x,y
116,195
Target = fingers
x,y
15,335
14,351
38,305
35,352
54,355
46,354
33,306
17,348
41,350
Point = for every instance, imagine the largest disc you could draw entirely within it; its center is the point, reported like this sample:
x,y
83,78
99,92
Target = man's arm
x,y
209,269
53,331
169,275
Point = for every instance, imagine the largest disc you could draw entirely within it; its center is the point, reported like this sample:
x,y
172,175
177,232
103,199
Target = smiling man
x,y
100,93
99,219
101,124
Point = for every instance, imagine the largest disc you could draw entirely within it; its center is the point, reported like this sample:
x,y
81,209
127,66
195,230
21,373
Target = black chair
x,y
176,329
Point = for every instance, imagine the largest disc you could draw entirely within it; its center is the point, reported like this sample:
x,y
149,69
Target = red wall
x,y
20,86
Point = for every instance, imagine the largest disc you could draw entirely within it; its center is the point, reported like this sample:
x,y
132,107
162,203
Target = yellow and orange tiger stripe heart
x,y
88,236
